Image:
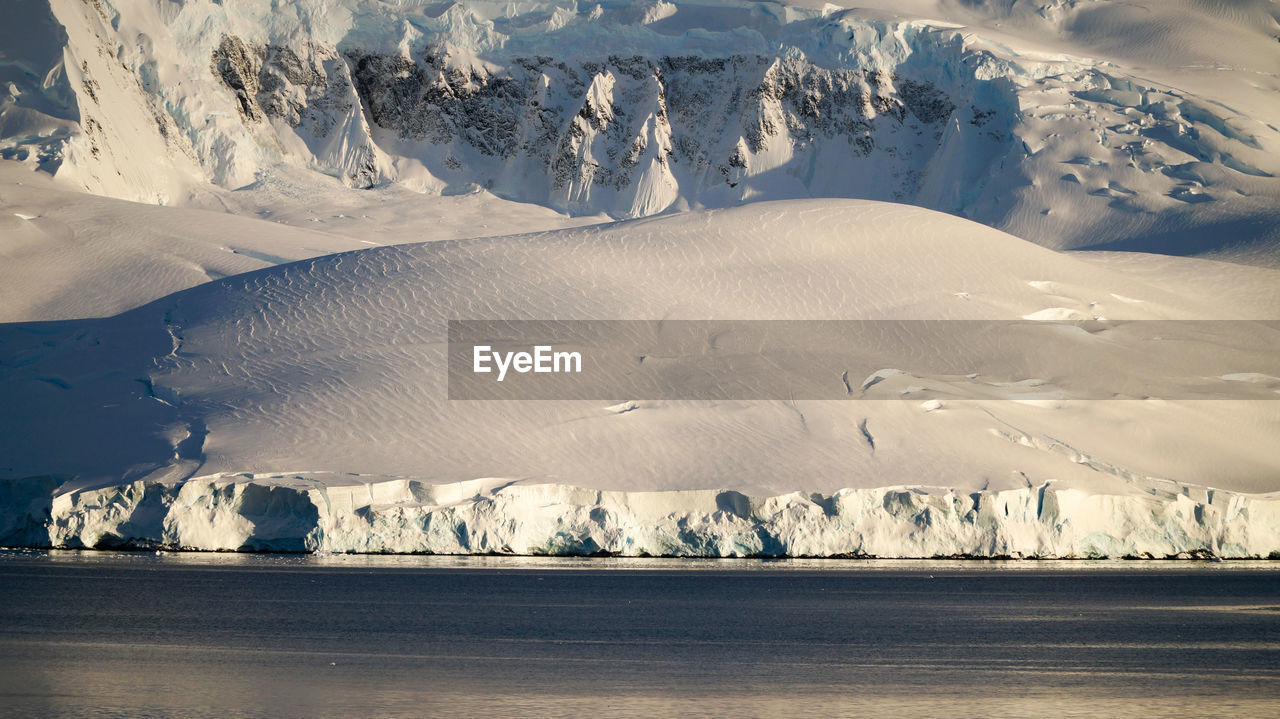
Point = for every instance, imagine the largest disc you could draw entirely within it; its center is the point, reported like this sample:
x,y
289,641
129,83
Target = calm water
x,y
136,635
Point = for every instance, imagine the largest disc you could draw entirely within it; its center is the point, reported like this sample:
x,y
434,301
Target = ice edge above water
x,y
232,513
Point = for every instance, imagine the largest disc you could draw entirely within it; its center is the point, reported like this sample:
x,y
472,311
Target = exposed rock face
x,y
310,89
238,65
629,135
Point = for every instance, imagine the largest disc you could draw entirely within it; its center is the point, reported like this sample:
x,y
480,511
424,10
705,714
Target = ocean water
x,y
199,635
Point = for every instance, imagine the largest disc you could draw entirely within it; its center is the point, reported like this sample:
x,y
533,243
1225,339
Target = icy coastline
x,y
295,514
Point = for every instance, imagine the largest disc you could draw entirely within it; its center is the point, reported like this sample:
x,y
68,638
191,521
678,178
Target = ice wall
x,y
487,516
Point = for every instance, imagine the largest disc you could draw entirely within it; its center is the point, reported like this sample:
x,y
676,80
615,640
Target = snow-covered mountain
x,y
1029,117
248,368
207,417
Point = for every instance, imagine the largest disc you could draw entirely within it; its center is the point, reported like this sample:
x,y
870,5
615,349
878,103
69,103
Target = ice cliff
x,y
337,365
294,513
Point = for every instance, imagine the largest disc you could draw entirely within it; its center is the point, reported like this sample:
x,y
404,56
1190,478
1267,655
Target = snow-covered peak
x,y
1023,116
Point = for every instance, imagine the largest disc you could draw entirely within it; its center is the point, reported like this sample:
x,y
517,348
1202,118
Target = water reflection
x,y
225,635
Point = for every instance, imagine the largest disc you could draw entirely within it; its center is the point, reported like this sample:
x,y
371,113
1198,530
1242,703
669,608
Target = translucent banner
x,y
855,359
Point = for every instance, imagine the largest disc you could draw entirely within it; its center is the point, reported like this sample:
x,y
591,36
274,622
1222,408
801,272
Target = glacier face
x,y
632,110
339,363
297,513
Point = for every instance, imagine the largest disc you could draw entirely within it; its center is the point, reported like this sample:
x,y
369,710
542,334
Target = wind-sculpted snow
x,y
338,363
297,513
635,110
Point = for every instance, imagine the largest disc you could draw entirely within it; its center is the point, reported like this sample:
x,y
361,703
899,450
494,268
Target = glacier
x,y
634,110
298,513
179,378
182,423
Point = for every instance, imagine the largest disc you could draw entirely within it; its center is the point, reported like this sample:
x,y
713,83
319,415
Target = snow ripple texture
x,y
488,516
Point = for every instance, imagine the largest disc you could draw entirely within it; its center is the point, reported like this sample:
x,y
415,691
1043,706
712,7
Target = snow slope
x,y
66,254
1073,124
328,373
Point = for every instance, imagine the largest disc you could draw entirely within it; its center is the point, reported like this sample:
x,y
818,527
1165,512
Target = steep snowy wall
x,y
636,109
73,108
482,517
635,135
